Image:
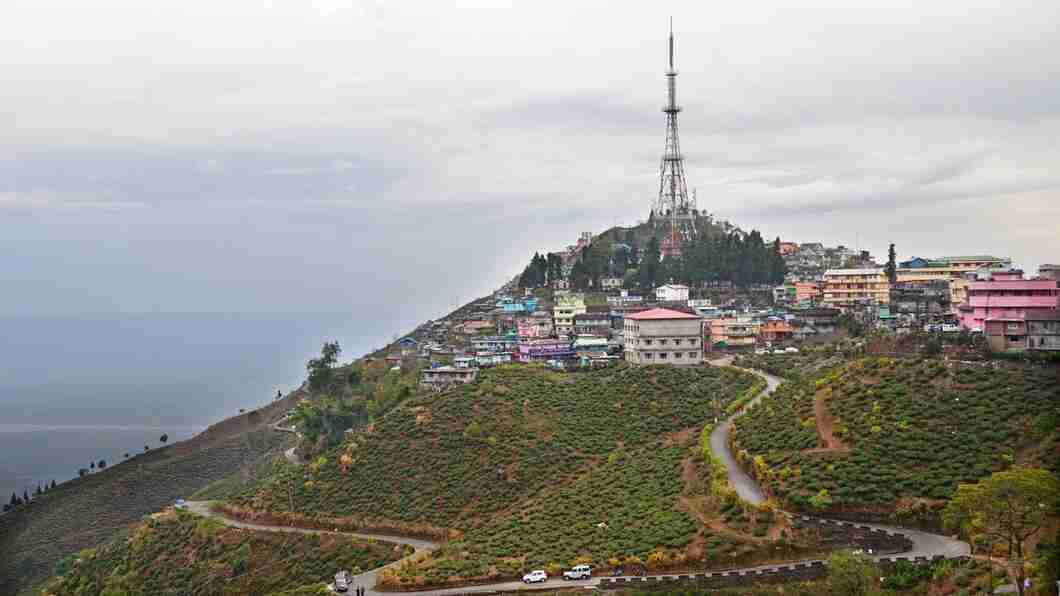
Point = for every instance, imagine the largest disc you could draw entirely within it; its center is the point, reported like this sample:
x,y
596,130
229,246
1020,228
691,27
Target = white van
x,y
535,576
578,572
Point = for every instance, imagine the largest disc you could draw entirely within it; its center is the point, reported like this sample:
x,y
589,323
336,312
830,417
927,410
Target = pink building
x,y
1007,296
539,350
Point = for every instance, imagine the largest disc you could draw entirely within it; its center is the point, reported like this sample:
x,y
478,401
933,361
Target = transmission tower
x,y
673,209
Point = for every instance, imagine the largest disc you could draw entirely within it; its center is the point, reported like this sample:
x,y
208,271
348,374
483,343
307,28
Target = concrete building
x,y
494,343
568,305
1006,295
807,291
537,325
774,330
540,350
1005,335
610,283
1049,271
663,336
592,323
444,376
672,293
1043,330
849,288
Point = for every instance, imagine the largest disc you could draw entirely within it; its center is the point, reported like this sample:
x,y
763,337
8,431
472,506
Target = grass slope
x,y
914,429
524,465
182,553
86,512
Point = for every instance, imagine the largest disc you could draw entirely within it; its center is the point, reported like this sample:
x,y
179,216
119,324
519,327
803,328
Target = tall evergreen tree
x,y
891,269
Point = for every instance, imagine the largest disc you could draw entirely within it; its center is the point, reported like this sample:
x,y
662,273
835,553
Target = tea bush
x,y
915,430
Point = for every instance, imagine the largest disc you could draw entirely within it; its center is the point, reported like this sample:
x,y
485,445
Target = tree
x,y
163,439
92,465
321,373
14,499
648,272
1008,507
102,464
25,496
851,575
53,484
891,269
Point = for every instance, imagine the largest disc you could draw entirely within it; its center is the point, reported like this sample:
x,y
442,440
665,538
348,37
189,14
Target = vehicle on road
x,y
578,572
535,576
180,504
342,581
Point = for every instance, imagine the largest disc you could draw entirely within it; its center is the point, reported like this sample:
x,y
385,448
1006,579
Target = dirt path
x,y
825,428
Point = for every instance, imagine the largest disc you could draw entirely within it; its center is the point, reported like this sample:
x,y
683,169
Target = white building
x,y
663,336
611,283
672,293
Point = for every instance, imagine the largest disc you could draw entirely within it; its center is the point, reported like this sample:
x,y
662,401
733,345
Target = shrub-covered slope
x,y
902,430
182,553
526,467
86,512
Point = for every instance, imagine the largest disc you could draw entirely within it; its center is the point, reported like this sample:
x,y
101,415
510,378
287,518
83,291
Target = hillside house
x,y
1006,295
568,305
445,376
672,293
1043,330
592,323
541,350
849,288
663,336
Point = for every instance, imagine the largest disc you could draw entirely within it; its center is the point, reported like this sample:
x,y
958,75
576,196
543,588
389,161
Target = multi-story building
x,y
540,350
775,329
610,283
1005,295
592,323
849,288
1049,271
807,291
1043,330
733,332
536,325
663,336
816,321
567,306
952,269
672,293
494,343
444,376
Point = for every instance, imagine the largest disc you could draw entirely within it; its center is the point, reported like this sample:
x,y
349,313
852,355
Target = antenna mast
x,y
673,203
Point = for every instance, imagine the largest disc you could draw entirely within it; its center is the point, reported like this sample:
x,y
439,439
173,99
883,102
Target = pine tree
x,y
14,499
53,483
891,268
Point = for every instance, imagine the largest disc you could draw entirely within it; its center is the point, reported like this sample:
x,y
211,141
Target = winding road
x,y
925,544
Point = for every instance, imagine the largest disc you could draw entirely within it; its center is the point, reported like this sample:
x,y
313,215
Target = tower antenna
x,y
673,206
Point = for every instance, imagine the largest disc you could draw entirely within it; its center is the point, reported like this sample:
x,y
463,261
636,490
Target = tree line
x,y
728,256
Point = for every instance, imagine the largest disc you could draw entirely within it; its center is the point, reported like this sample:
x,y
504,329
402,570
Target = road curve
x,y
925,544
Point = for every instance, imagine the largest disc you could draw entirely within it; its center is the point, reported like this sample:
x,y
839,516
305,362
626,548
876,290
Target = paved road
x,y
745,486
925,544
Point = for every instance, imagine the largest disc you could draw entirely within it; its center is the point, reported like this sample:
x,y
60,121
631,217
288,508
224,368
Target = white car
x,y
342,581
180,504
578,572
535,576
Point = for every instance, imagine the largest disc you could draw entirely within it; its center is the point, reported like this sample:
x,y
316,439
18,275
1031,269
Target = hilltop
x,y
895,437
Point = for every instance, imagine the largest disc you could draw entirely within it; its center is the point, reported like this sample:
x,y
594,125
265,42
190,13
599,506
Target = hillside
x,y
529,467
897,436
85,512
182,553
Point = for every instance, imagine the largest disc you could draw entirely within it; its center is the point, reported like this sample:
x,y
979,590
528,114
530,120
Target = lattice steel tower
x,y
673,209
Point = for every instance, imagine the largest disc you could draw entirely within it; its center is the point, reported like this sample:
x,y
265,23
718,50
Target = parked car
x,y
180,504
342,581
535,576
578,572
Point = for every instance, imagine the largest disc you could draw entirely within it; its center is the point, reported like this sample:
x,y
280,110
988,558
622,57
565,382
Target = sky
x,y
397,158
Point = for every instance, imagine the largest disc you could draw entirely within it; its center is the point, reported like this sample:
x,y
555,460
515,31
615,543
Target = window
x,y
677,342
662,355
662,342
649,355
677,354
693,354
647,342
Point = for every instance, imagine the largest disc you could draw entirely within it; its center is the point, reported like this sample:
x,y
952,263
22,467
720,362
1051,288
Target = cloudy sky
x,y
282,156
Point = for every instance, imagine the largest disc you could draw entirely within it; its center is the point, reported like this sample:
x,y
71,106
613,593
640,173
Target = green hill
x,y
181,553
528,467
897,436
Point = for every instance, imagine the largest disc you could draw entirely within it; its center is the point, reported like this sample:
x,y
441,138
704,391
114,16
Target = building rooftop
x,y
853,272
660,314
970,258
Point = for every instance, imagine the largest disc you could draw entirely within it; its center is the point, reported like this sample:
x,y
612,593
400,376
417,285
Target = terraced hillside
x,y
182,553
86,512
529,467
897,436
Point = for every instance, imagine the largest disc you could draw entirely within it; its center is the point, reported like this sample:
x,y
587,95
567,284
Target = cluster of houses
x,y
569,330
976,293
